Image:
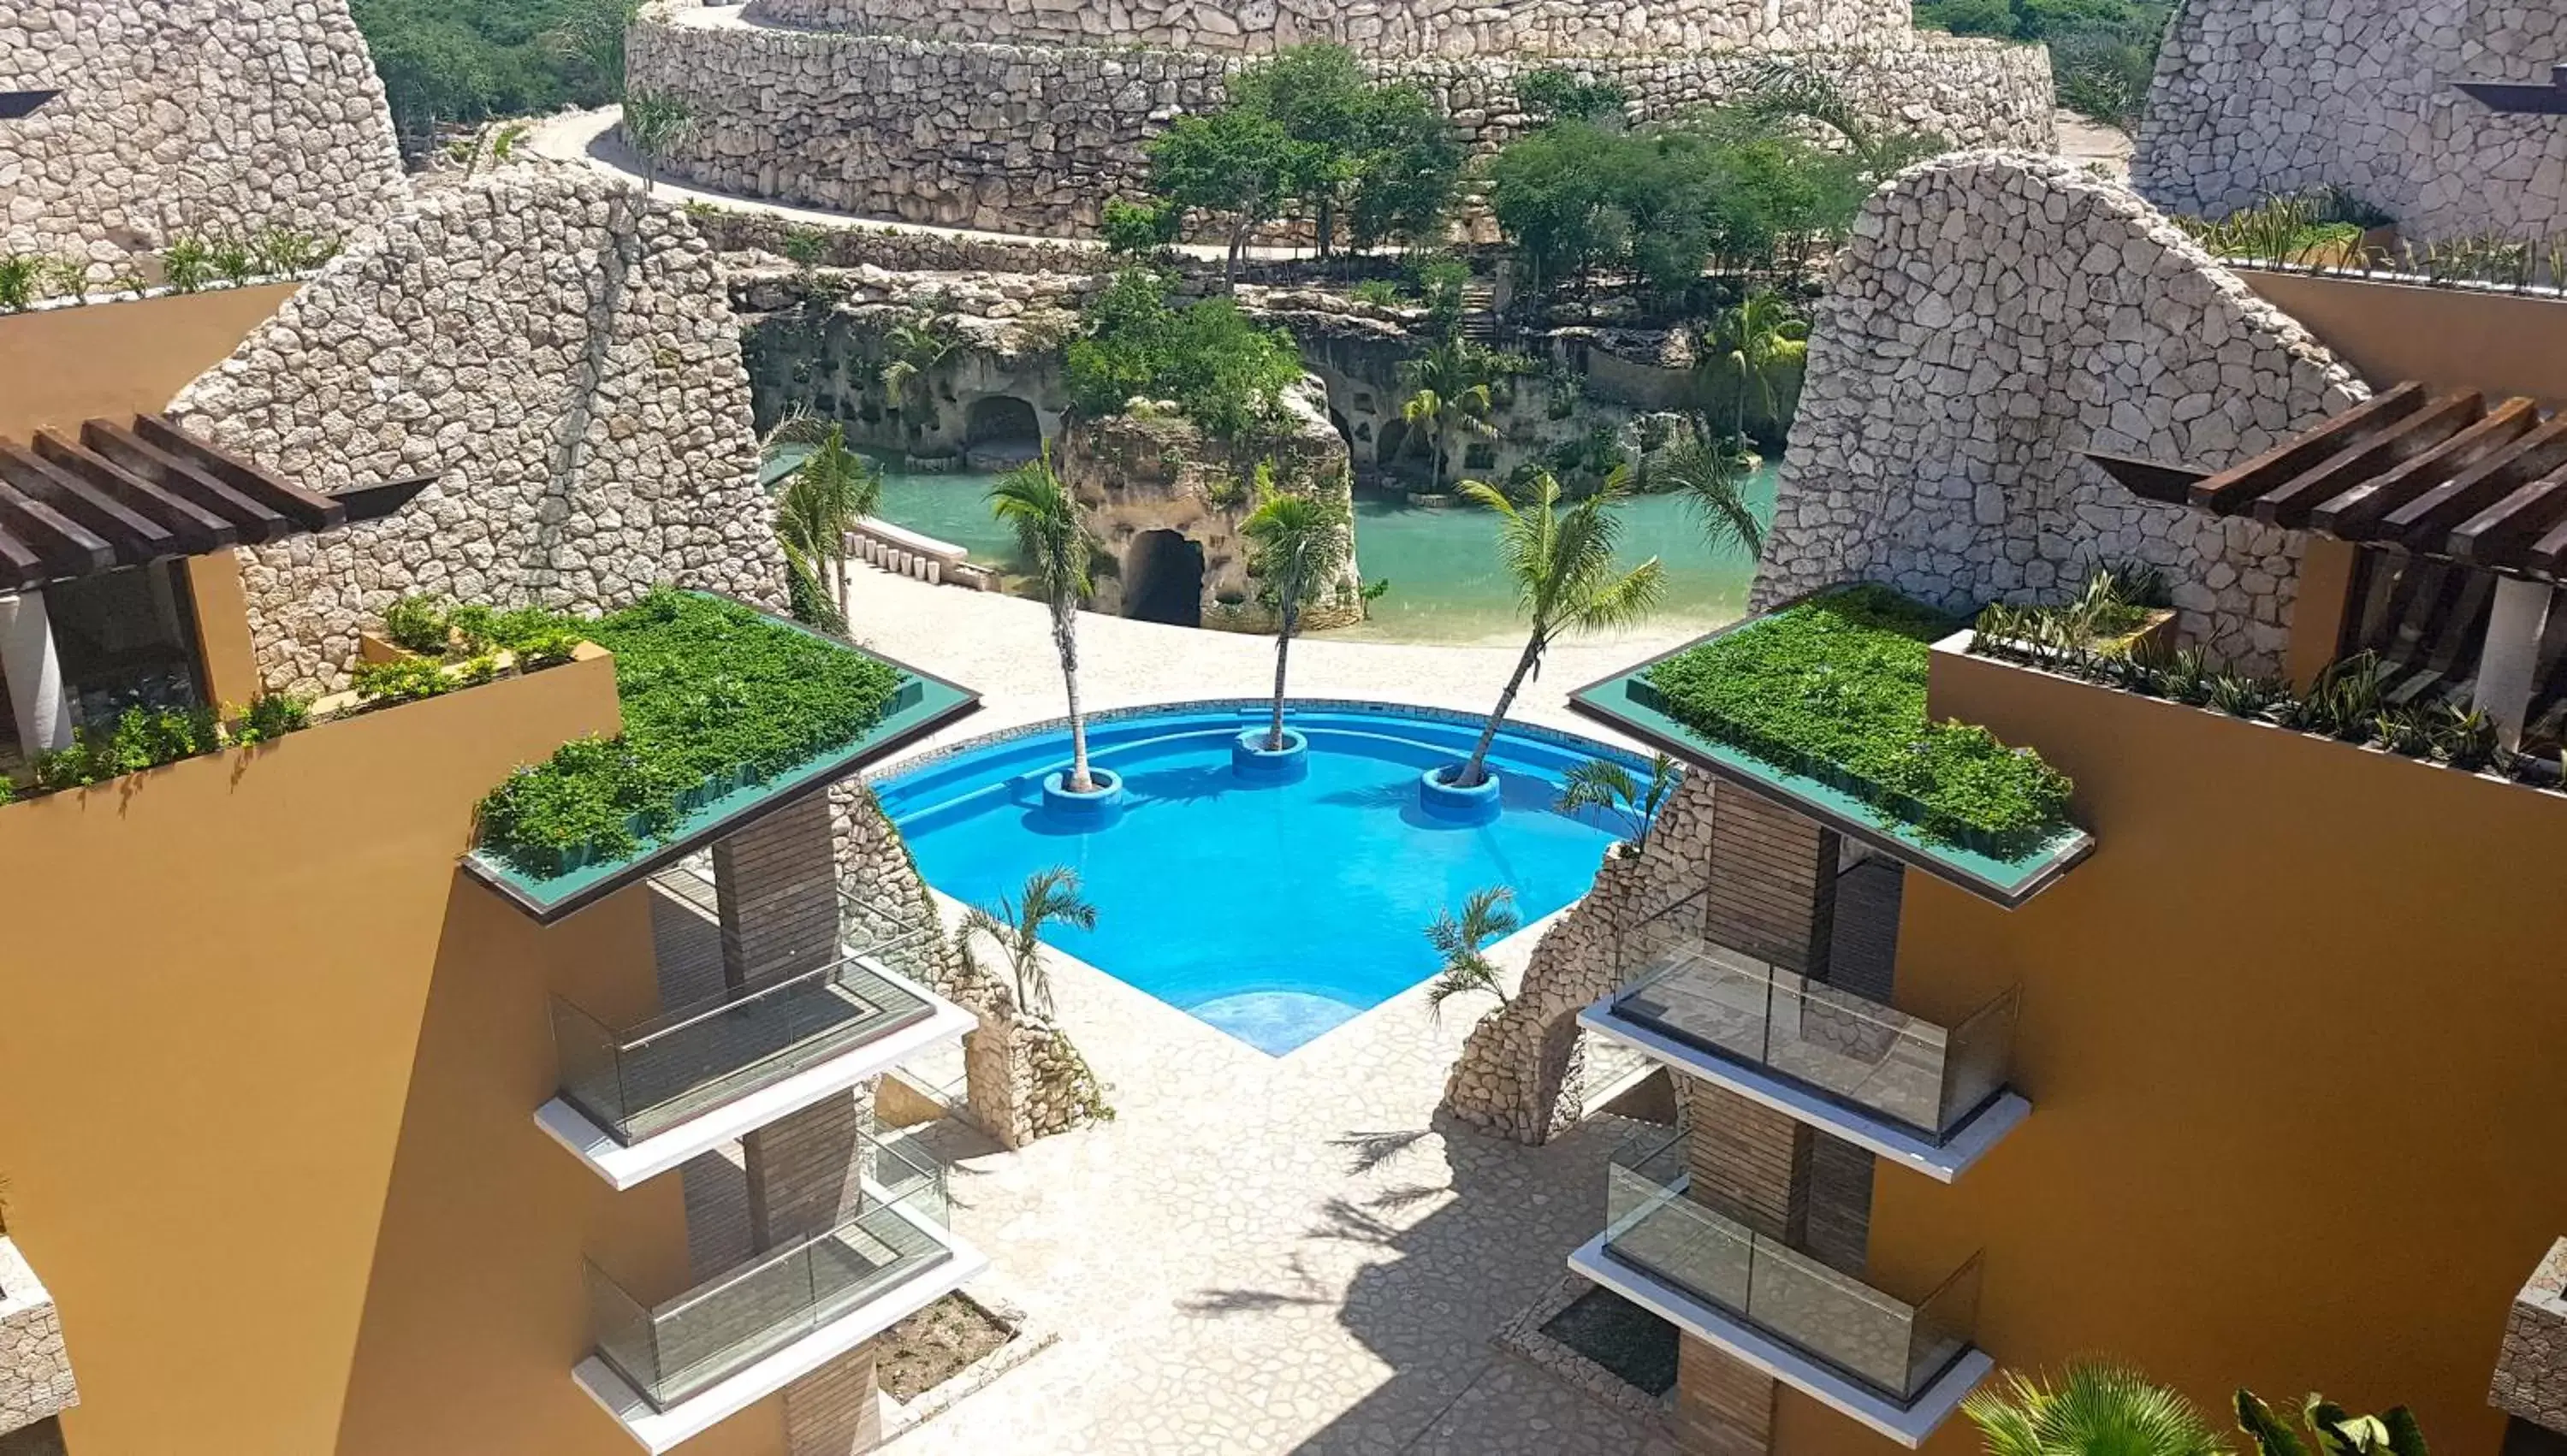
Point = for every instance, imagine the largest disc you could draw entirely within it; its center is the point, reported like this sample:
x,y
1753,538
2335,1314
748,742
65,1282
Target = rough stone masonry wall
x,y
188,115
1037,139
561,355
1995,316
35,1369
2254,96
1388,28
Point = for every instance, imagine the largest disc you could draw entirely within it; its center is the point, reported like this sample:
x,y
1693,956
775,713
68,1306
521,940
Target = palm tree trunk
x,y
1475,772
1282,650
1238,251
1065,635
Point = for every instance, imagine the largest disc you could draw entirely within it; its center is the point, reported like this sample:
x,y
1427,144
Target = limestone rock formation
x,y
1994,317
561,356
1167,501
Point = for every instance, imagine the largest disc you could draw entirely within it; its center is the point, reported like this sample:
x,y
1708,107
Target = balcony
x,y
670,1370
1899,1367
1926,1096
639,1100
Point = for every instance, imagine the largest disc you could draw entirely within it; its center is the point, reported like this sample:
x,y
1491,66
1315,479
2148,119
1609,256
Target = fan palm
x,y
655,122
2095,1410
1293,542
1602,783
1759,340
1487,915
1056,545
919,347
1452,389
821,502
1049,897
1566,581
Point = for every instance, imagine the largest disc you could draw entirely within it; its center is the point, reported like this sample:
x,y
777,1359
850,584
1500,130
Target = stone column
x,y
33,668
836,1410
2509,665
775,884
803,1170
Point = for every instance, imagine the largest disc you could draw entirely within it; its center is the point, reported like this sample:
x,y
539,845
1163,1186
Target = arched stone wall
x,y
1994,317
1037,139
561,356
1388,28
211,117
2256,96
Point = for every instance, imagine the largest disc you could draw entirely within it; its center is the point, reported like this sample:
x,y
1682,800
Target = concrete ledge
x,y
35,1366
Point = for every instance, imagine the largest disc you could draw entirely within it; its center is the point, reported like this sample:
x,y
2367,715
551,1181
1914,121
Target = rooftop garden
x,y
721,704
1833,689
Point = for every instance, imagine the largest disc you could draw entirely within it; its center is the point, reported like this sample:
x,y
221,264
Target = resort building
x,y
1962,1095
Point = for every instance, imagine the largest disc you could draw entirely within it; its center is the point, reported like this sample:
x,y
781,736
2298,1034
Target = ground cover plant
x,y
1835,688
710,690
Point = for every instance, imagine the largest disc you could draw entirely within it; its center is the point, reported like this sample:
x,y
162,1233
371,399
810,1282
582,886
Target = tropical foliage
x,y
2103,53
462,60
917,348
1049,897
834,490
1566,581
1759,342
655,124
1604,785
1222,371
1295,539
1452,394
1712,478
1487,915
2333,1430
1056,549
2093,1410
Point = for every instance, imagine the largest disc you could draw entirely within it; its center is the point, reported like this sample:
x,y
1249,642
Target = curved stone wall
x,y
2254,96
1994,317
1379,28
561,356
1035,140
188,115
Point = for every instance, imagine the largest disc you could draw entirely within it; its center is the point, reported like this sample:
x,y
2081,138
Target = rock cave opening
x,y
1001,431
1162,579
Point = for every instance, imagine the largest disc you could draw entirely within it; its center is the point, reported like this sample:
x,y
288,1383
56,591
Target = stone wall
x,y
1995,316
2254,96
1390,28
35,1369
188,115
2531,1365
561,355
1037,139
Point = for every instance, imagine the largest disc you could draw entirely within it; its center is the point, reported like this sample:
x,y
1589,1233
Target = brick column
x,y
777,887
1773,881
803,1169
836,1410
1723,1407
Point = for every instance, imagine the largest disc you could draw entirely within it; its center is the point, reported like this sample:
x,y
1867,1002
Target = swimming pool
x,y
1272,912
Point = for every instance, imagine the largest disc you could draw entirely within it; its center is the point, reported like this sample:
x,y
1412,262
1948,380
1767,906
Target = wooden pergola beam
x,y
2289,504
2503,531
2420,524
2350,514
2224,492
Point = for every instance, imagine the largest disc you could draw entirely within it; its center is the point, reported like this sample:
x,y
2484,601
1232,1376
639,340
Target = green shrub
x,y
1380,292
711,689
1835,688
415,623
1225,373
407,680
144,737
269,716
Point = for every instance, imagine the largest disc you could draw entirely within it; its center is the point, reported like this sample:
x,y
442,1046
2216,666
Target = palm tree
x,y
1050,897
1294,541
1565,580
919,347
1709,474
1758,340
1487,915
1056,546
1602,783
654,121
2095,1410
1451,388
825,499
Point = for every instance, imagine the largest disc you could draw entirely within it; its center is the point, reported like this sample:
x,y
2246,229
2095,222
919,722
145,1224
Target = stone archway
x,y
1387,445
1001,431
1163,576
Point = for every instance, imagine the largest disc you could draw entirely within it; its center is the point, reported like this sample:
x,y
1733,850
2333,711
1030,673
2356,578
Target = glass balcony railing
x,y
1895,1347
1845,1047
639,1080
673,1350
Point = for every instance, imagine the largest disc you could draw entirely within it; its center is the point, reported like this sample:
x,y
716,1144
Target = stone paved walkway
x,y
1259,1254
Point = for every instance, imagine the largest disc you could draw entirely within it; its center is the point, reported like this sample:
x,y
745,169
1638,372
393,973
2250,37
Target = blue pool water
x,y
1272,912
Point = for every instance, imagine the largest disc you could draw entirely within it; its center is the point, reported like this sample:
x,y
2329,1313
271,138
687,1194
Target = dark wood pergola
x,y
127,494
2522,98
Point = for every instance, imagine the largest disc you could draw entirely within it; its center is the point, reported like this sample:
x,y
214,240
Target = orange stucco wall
x,y
61,366
2453,338
2291,1038
268,1069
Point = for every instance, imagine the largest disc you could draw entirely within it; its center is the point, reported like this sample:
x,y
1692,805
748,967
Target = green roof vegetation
x,y
715,693
1835,688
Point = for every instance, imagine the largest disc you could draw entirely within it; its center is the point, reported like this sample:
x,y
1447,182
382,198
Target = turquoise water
x,y
1273,913
1445,582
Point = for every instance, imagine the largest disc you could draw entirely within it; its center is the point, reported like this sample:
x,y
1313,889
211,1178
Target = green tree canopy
x,y
1225,373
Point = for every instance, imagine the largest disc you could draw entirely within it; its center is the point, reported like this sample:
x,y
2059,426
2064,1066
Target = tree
x,y
1549,191
1294,540
1315,98
1225,373
1551,95
2095,1410
1452,388
919,346
1487,915
589,40
1056,545
1049,897
1607,786
1139,229
1405,171
1230,161
1759,340
1566,581
821,502
1710,475
655,122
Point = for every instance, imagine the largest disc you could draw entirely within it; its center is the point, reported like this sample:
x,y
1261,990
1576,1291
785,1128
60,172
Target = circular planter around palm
x,y
1099,808
1252,760
1452,805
